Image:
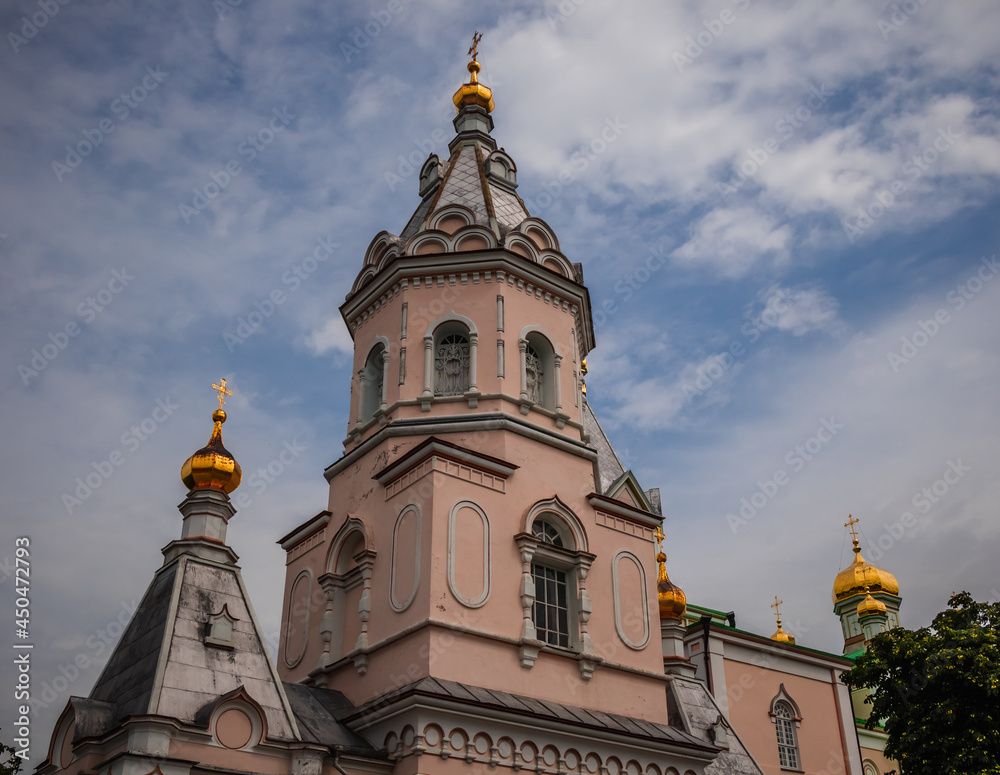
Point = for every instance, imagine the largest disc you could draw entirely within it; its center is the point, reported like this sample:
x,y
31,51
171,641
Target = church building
x,y
485,589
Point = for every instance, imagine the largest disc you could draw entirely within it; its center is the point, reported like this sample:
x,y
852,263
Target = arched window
x,y
373,383
869,767
539,372
546,532
347,590
451,362
555,602
553,583
788,747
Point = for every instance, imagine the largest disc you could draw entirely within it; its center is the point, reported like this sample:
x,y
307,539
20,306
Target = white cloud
x,y
732,241
799,310
331,336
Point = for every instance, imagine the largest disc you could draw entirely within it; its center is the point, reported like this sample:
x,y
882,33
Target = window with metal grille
x,y
451,365
551,611
788,749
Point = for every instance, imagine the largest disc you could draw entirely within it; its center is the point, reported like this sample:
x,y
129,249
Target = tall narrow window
x,y
451,365
551,614
553,578
372,384
788,749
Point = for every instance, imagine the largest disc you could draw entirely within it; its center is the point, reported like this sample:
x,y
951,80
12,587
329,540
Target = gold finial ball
x,y
474,67
213,465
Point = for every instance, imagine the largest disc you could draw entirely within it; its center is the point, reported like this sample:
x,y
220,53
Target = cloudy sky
x,y
787,216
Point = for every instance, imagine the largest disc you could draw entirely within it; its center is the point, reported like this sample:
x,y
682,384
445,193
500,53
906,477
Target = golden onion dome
x,y
672,600
860,576
870,606
212,465
473,92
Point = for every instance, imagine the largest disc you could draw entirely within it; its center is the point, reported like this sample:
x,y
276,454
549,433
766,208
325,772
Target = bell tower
x,y
865,597
480,535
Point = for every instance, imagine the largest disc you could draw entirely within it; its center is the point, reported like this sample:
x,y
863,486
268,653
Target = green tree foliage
x,y
10,763
936,690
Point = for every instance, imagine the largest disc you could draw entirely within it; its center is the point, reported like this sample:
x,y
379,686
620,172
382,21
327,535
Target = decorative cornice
x,y
304,531
488,265
623,510
433,425
434,446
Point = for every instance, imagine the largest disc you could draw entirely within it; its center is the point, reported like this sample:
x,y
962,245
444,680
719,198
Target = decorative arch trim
x,y
451,317
644,641
783,696
239,700
555,506
538,225
340,539
438,217
481,599
535,329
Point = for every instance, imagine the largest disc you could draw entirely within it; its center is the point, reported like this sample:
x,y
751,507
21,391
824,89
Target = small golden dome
x,y
672,600
212,465
783,637
859,576
780,635
473,92
870,606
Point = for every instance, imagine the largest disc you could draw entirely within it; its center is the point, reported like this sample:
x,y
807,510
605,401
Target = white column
x,y
473,361
428,366
557,383
385,379
522,347
361,395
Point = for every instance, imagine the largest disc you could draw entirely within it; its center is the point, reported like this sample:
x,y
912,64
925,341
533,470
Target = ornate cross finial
x,y
659,535
776,605
222,390
474,48
851,522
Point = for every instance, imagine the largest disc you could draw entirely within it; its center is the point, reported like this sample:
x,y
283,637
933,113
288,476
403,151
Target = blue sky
x,y
769,200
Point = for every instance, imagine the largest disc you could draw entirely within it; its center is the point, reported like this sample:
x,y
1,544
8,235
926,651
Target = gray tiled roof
x,y
609,467
692,709
162,665
317,712
463,181
127,679
554,711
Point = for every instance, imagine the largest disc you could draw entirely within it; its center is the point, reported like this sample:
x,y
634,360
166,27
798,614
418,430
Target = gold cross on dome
x,y
851,522
474,48
776,606
659,535
222,390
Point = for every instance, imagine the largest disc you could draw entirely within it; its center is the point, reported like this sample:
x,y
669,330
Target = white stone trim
x,y
307,575
637,646
480,601
398,606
